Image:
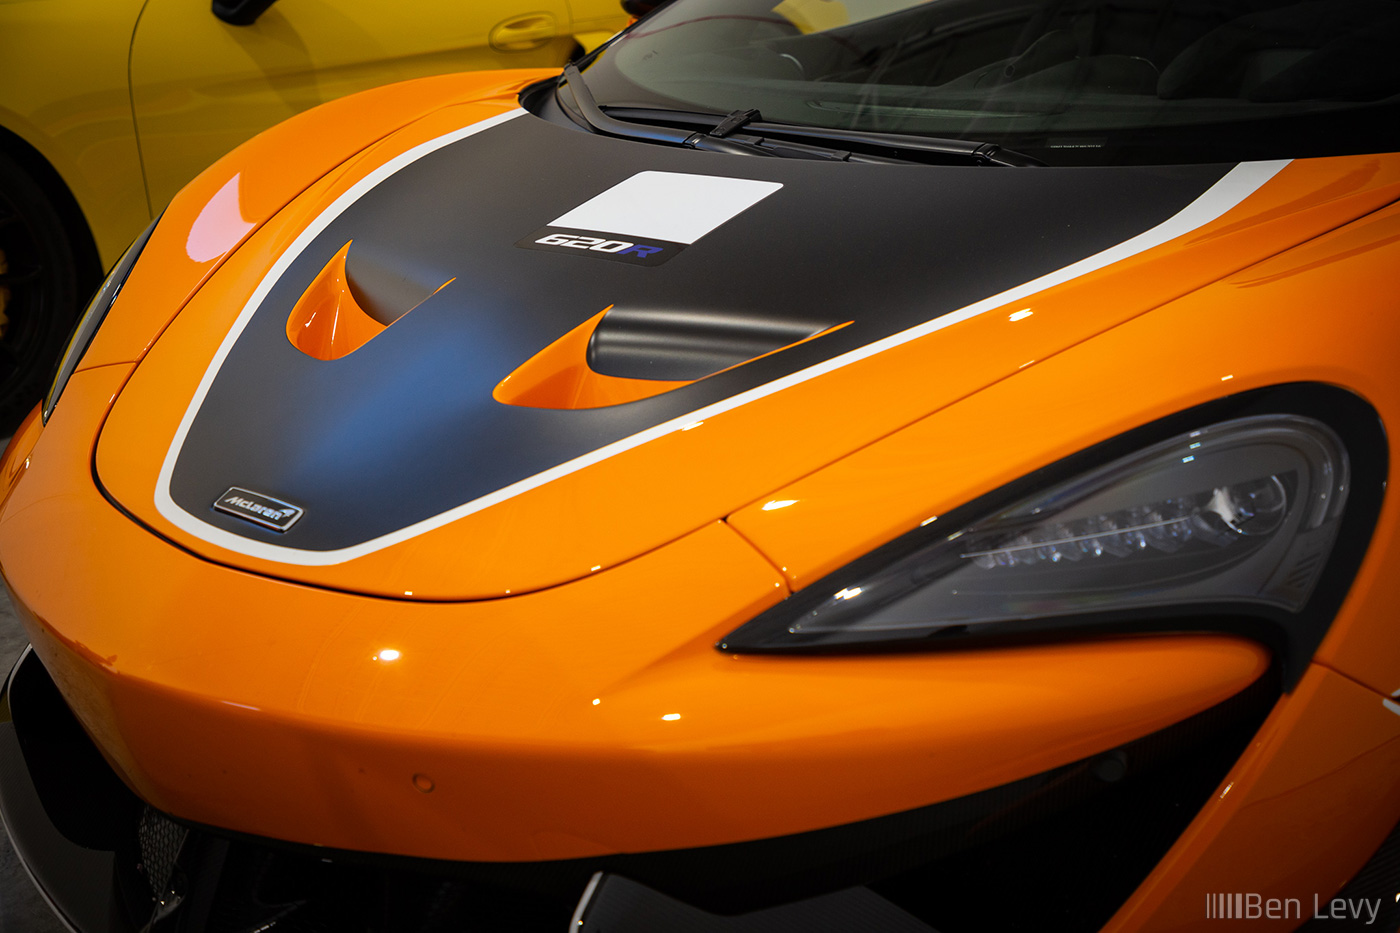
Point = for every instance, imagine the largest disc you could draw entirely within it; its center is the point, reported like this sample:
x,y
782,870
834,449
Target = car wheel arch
x,y
65,203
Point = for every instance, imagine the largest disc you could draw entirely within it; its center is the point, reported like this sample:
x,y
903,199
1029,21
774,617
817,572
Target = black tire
x,y
43,282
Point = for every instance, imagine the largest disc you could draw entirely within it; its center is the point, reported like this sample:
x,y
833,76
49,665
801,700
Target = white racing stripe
x,y
1241,182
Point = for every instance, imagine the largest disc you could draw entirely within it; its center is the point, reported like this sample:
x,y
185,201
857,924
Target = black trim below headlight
x,y
93,316
1247,515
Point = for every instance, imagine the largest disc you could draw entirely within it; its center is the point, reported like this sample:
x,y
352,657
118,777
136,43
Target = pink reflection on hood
x,y
219,226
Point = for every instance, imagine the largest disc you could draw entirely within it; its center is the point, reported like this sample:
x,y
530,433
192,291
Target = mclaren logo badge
x,y
259,509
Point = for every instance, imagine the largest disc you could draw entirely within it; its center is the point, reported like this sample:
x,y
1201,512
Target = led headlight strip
x,y
1230,517
92,319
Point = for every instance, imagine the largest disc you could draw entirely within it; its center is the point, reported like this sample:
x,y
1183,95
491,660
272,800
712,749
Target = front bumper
x,y
108,863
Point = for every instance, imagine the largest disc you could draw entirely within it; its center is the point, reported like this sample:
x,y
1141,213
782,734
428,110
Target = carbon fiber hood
x,y
406,428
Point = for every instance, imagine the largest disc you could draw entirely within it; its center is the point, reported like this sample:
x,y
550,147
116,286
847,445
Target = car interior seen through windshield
x,y
1071,82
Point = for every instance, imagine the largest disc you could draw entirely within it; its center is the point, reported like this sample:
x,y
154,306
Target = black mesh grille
x,y
160,842
261,890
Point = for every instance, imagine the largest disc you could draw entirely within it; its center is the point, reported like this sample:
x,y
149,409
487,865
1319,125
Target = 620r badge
x,y
259,509
602,246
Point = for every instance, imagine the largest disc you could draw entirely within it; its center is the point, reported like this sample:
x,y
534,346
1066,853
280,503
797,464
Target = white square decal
x,y
668,206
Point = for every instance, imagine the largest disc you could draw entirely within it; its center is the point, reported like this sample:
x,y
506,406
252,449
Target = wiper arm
x,y
982,153
601,122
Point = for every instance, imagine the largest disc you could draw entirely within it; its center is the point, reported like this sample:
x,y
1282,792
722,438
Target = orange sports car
x,y
864,465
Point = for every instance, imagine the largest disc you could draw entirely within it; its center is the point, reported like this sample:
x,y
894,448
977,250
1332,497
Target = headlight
x,y
1238,517
92,319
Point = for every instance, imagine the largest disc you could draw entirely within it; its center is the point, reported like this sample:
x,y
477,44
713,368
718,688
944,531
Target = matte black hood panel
x,y
406,427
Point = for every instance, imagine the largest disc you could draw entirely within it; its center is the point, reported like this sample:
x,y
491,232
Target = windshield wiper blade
x,y
715,135
984,153
980,152
611,126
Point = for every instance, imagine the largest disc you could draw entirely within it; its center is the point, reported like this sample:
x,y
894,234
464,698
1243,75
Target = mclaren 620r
x,y
866,465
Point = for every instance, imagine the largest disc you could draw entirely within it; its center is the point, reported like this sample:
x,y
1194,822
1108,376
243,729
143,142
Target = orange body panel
x,y
608,512
235,700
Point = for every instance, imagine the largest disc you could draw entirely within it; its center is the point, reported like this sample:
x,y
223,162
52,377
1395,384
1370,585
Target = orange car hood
x,y
492,356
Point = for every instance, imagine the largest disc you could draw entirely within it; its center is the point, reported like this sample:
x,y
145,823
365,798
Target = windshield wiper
x,y
715,132
600,122
981,153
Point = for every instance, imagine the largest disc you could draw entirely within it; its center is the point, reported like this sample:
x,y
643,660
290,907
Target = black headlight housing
x,y
1248,515
92,317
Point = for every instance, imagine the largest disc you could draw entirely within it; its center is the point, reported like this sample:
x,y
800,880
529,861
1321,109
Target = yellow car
x,y
108,108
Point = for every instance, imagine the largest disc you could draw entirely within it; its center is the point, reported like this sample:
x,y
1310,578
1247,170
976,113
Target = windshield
x,y
1068,81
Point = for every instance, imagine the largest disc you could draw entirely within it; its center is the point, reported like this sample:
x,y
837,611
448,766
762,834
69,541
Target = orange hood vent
x,y
328,322
571,373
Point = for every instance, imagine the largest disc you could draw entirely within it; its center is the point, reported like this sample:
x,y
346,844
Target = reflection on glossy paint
x,y
671,717
1022,314
388,654
220,225
778,504
850,592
